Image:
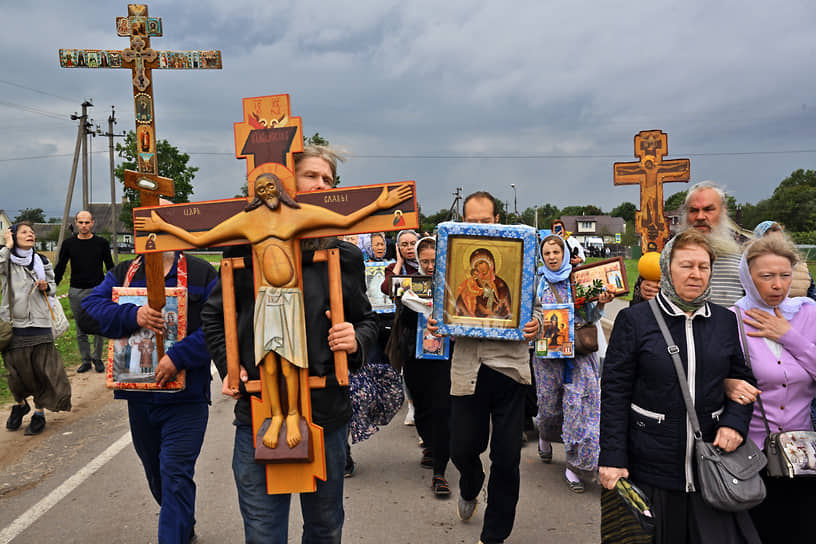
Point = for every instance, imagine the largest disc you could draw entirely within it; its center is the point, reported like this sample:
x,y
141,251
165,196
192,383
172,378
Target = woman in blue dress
x,y
568,390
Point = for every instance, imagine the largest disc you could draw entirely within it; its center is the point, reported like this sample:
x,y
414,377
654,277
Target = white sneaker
x,y
409,417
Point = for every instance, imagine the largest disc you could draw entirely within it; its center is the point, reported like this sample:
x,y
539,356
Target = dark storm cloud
x,y
566,85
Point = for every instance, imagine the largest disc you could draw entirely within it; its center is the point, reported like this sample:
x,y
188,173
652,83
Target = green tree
x,y
752,214
626,211
316,139
547,214
630,236
428,223
591,209
35,215
51,236
676,200
172,164
793,202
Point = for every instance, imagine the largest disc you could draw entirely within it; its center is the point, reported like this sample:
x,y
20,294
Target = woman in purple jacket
x,y
781,342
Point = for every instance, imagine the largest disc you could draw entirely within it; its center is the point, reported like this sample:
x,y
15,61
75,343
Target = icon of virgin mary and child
x,y
483,294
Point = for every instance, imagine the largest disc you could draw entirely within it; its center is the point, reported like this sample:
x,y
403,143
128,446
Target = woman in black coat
x,y
645,434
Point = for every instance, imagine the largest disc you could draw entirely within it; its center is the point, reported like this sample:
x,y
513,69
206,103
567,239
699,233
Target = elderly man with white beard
x,y
705,211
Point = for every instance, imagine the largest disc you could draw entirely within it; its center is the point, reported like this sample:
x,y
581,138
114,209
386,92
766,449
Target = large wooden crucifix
x,y
141,59
651,172
273,223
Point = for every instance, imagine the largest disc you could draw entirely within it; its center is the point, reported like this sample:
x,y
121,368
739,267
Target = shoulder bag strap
x,y
10,290
748,362
674,351
555,291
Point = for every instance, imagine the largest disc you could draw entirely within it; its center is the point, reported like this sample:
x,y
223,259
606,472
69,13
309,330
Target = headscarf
x,y
370,250
667,285
412,262
762,228
416,251
25,257
562,273
788,307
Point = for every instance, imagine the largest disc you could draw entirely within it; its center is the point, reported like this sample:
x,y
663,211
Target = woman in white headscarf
x,y
34,365
406,263
781,342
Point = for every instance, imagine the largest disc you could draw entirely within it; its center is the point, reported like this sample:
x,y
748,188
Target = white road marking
x,y
36,512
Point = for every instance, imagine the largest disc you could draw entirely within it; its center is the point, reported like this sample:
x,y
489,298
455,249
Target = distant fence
x,y
808,251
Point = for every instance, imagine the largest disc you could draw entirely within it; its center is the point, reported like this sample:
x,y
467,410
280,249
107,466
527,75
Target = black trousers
x,y
783,515
500,400
428,382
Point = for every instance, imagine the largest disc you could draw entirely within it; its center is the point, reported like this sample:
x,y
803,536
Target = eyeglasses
x,y
84,222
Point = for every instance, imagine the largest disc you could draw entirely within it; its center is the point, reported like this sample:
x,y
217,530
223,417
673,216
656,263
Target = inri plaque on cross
x,y
651,172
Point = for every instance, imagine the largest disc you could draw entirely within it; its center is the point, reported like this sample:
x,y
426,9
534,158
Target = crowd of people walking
x,y
741,313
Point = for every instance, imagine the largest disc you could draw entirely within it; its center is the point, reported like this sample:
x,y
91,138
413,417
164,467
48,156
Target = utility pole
x,y
81,130
110,134
454,214
88,131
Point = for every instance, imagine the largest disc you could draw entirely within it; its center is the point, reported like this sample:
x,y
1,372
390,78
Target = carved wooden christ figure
x,y
272,222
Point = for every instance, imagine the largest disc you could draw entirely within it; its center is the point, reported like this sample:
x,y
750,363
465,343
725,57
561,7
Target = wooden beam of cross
x,y
141,59
651,172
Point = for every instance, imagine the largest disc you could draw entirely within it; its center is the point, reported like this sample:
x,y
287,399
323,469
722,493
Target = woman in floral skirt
x,y
568,390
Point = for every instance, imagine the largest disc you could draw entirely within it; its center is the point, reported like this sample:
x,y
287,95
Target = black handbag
x,y
786,451
727,481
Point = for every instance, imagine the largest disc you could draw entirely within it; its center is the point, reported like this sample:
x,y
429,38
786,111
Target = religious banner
x,y
651,172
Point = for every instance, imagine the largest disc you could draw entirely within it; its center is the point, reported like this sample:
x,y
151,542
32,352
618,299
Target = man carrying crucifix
x,y
271,223
265,516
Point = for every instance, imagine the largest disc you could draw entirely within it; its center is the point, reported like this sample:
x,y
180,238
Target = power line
x,y
54,156
32,89
61,117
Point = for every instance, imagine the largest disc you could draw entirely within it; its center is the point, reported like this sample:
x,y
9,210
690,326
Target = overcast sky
x,y
479,95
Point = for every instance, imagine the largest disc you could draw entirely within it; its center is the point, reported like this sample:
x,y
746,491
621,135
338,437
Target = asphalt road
x,y
81,482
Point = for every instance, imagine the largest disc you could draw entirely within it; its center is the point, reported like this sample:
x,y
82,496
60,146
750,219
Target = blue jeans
x,y
266,517
167,438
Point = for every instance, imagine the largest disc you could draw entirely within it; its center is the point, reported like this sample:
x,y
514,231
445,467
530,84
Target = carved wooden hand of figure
x,y
389,199
154,223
